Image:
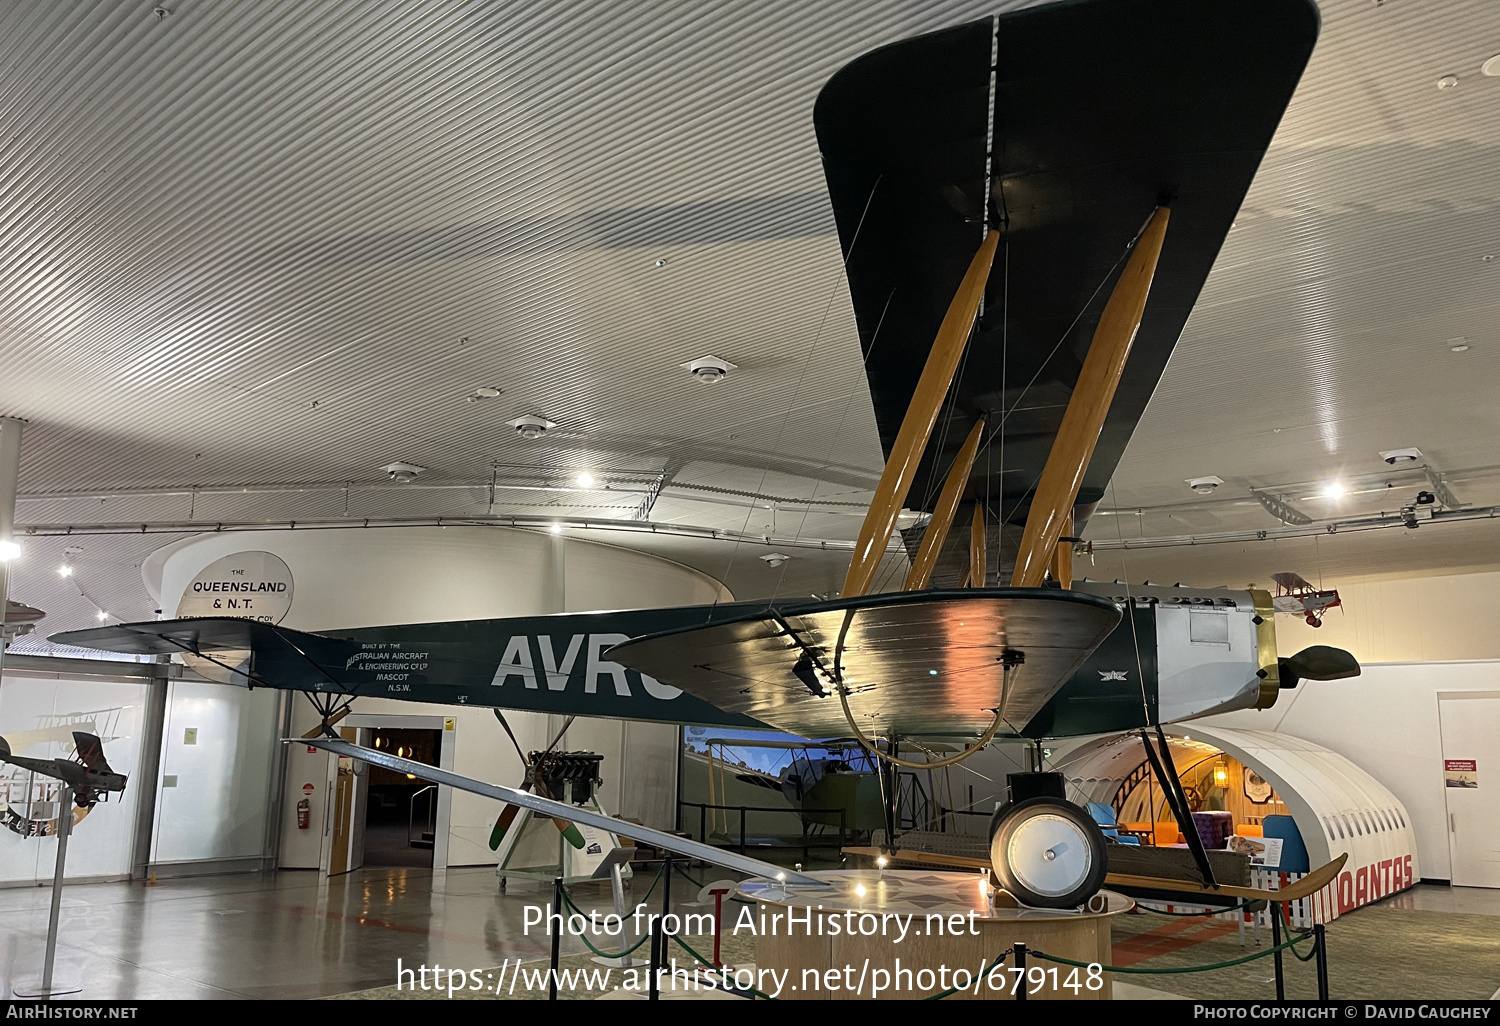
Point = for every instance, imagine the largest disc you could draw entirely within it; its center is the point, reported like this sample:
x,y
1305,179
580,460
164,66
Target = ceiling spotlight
x,y
65,571
9,550
660,262
587,480
709,369
1205,485
1332,490
532,427
775,558
1396,456
1491,67
1447,81
101,615
402,473
556,529
486,392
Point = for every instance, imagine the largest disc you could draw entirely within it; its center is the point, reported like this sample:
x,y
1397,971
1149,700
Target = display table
x,y
863,896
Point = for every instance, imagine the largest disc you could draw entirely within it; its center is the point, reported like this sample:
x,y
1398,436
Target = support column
x,y
10,465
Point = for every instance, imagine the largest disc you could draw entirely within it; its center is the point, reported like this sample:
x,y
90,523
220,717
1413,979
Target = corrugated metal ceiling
x,y
283,242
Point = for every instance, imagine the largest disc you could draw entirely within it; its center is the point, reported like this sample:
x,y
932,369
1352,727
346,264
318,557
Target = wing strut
x,y
563,811
943,512
1177,799
921,415
1057,489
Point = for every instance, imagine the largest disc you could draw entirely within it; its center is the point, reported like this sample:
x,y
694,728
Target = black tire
x,y
1035,880
998,817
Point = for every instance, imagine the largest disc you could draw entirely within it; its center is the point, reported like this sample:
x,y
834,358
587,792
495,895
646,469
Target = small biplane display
x,y
88,773
1296,595
1028,206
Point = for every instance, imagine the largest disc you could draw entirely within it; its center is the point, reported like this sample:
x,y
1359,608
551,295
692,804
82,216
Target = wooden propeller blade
x,y
318,730
916,427
507,817
1057,489
1309,885
977,544
510,734
942,515
567,829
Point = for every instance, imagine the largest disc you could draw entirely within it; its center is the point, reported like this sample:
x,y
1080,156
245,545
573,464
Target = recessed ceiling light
x,y
587,480
556,528
1488,257
1447,81
1332,490
101,615
1205,485
1395,456
1459,347
9,550
65,571
488,392
775,558
1491,67
661,262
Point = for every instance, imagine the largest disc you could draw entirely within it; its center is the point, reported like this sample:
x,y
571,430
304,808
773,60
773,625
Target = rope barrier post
x,y
557,908
1020,950
1322,950
1276,946
656,954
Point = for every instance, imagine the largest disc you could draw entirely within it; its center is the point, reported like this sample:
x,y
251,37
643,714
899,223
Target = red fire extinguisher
x,y
304,814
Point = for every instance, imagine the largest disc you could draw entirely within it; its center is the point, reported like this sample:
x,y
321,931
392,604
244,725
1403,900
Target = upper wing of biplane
x,y
1102,110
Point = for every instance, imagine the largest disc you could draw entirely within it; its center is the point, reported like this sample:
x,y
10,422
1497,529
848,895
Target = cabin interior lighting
x,y
587,480
65,571
1333,490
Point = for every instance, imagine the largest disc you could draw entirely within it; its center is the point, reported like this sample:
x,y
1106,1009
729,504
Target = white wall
x,y
358,578
1413,638
1408,621
1385,721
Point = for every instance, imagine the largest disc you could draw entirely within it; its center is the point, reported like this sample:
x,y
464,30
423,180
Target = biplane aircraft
x,y
1028,207
88,773
1296,594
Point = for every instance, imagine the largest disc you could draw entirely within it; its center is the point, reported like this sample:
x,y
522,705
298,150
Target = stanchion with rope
x,y
558,898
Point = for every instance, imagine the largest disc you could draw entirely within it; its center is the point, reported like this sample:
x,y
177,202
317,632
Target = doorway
x,y
1470,723
401,809
379,818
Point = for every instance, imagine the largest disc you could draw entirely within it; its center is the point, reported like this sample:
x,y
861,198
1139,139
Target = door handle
x,y
1451,828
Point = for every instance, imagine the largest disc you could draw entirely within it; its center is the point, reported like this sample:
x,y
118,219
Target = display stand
x,y
534,849
47,987
823,946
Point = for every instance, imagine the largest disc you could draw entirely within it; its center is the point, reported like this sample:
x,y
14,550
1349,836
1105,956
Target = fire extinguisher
x,y
304,814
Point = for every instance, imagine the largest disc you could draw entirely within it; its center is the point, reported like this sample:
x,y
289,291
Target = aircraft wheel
x,y
1049,853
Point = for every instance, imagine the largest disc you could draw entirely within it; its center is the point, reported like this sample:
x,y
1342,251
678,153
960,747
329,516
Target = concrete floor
x,y
272,935
295,935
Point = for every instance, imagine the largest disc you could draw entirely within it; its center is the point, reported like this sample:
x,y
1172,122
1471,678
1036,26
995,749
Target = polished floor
x,y
295,935
274,935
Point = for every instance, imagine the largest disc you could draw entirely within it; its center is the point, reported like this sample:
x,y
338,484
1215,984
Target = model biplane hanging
x,y
1294,594
1028,207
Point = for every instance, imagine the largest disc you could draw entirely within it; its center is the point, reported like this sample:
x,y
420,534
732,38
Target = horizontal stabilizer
x,y
561,810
